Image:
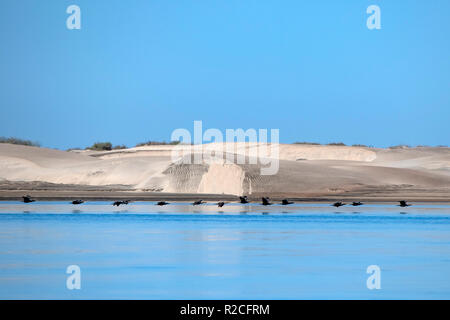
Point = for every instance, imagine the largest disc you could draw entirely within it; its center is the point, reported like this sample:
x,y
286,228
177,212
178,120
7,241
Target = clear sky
x,y
137,70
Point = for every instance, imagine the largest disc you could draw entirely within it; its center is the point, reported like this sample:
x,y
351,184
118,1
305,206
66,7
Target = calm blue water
x,y
141,251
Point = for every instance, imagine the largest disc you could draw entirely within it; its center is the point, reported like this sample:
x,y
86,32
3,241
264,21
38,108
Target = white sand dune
x,y
305,170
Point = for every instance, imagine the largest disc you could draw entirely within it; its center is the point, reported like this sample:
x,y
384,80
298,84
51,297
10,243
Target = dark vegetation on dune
x,y
400,146
361,145
330,144
157,143
336,144
108,146
22,142
105,146
308,143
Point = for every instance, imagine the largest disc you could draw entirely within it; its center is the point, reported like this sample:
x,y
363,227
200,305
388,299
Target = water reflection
x,y
211,209
239,255
121,211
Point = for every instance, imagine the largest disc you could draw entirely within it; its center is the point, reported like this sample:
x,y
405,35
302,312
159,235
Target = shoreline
x,y
43,195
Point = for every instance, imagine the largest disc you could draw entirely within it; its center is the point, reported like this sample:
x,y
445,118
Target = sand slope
x,y
305,170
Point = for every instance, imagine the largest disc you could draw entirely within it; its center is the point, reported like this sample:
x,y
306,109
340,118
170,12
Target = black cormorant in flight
x,y
27,199
265,201
118,203
403,204
243,199
338,204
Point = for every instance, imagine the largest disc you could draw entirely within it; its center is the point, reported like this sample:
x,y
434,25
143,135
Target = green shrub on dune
x,y
22,142
400,146
105,146
101,146
157,143
360,145
119,147
308,143
336,144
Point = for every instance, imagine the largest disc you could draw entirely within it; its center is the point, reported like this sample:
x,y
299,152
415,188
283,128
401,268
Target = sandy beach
x,y
306,172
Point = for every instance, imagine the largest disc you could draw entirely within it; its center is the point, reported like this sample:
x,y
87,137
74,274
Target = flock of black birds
x,y
120,202
338,204
265,201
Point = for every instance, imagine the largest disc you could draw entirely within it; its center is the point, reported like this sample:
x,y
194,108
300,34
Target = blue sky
x,y
137,70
